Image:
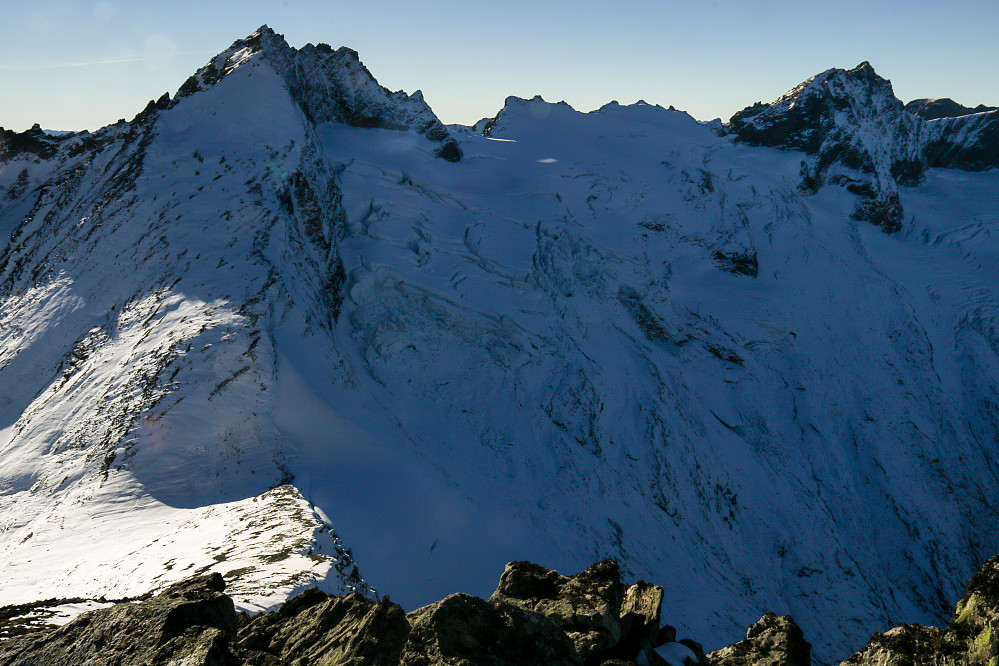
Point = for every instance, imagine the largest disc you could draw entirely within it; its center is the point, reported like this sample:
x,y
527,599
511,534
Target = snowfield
x,y
239,337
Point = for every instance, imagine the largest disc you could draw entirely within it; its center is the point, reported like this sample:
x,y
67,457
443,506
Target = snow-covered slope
x,y
605,334
968,142
140,284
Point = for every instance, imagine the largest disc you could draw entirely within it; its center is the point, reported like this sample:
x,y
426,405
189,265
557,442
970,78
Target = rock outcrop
x,y
189,623
971,638
463,629
34,141
315,628
536,617
858,135
933,109
604,619
773,641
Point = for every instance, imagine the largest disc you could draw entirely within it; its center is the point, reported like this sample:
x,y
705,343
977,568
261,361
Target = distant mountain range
x,y
287,326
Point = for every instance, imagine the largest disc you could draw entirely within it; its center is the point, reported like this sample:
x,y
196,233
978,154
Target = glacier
x,y
287,326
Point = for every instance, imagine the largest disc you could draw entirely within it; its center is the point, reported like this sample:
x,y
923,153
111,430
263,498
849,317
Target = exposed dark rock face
x,y
194,624
34,141
971,638
313,628
967,142
773,641
908,644
738,263
586,606
189,623
856,131
933,109
605,619
857,134
463,629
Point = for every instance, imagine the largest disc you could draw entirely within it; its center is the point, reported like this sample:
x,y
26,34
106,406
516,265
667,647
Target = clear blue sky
x,y
74,64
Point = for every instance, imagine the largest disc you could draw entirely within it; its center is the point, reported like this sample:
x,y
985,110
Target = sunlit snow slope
x,y
613,334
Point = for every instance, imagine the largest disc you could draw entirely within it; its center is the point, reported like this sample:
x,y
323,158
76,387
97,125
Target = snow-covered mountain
x,y
285,321
860,136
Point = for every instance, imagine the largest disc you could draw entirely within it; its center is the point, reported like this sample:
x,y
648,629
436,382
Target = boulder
x,y
463,630
604,619
640,616
773,641
318,629
905,645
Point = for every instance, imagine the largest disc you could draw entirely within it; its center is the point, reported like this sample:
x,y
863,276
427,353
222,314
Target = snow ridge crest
x,y
329,86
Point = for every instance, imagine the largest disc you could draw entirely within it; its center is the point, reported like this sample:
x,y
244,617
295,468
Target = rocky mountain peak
x,y
329,85
855,131
33,140
859,135
944,107
800,119
264,39
865,71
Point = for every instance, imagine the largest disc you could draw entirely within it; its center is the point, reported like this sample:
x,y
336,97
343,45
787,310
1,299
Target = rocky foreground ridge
x,y
535,616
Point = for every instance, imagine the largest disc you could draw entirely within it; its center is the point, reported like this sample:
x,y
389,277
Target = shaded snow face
x,y
235,336
646,342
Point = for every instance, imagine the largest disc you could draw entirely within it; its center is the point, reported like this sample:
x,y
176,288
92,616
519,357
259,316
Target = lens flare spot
x,y
159,52
540,109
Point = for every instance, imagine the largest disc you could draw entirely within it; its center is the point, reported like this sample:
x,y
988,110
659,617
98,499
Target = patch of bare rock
x,y
536,616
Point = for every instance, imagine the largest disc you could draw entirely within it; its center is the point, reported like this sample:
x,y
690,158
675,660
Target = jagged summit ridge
x,y
330,86
859,135
969,142
856,129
